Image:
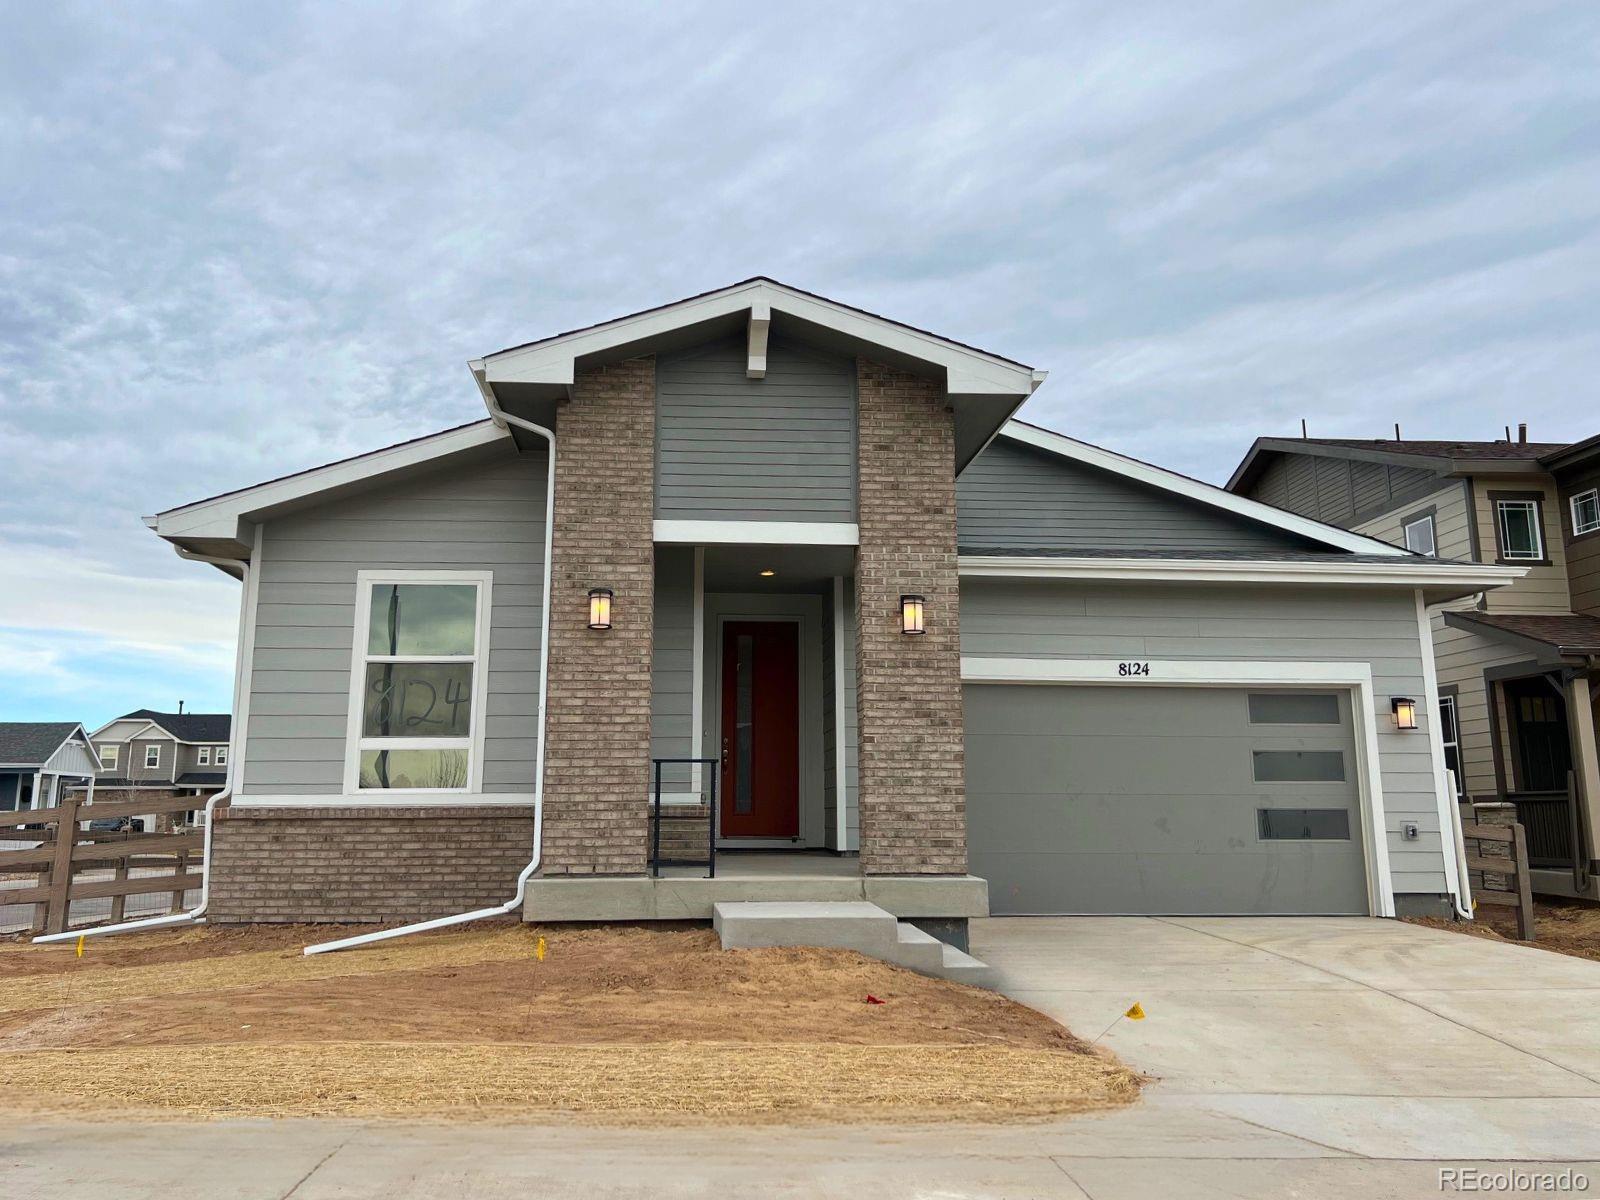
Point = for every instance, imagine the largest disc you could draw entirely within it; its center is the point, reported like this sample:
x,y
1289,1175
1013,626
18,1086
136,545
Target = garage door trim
x,y
1149,672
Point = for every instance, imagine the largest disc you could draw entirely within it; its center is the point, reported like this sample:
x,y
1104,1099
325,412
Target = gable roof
x,y
984,388
1202,493
186,727
1443,457
33,743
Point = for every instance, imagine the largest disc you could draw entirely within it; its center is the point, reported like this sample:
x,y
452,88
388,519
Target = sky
x,y
242,239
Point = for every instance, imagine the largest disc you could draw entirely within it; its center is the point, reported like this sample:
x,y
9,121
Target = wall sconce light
x,y
1405,712
600,608
911,615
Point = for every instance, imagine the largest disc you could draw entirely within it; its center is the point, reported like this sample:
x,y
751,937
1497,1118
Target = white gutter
x,y
501,419
1406,571
196,914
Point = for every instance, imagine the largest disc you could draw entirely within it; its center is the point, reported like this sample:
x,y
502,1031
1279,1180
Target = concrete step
x,y
843,925
960,967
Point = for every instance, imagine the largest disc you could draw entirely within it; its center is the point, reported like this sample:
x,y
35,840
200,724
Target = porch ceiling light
x,y
600,608
768,573
911,615
1405,712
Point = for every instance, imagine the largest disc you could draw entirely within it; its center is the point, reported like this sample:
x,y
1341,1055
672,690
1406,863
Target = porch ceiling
x,y
794,568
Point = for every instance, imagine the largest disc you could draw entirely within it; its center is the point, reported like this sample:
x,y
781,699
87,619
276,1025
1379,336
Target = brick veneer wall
x,y
349,864
912,790
597,750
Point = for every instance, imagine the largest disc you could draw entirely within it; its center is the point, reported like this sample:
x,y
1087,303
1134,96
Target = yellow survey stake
x,y
1136,1013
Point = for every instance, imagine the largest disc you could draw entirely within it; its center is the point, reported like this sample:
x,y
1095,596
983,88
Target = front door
x,y
1539,719
759,791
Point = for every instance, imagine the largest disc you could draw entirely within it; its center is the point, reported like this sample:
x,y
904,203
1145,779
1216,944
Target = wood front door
x,y
759,790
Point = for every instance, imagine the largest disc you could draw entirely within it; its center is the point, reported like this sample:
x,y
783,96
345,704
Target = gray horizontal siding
x,y
490,518
1027,619
731,448
672,665
1015,496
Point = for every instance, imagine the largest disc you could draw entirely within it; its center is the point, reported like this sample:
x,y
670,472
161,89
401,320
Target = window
x,y
1303,824
108,756
1294,708
1419,535
1521,539
1449,733
418,688
1298,766
205,756
152,757
1586,512
222,756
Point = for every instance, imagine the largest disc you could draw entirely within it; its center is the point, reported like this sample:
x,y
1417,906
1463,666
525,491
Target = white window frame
x,y
203,758
1454,727
359,658
1500,507
152,750
109,754
1578,530
1433,534
221,757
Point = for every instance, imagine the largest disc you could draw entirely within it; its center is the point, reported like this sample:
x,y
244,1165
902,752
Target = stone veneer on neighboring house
x,y
597,748
912,788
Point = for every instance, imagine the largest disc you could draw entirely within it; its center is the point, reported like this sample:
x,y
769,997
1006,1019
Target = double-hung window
x,y
108,756
1420,536
222,756
205,756
1586,512
1450,736
418,682
152,757
1521,538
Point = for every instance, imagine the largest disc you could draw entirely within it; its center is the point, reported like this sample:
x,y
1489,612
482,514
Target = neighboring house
x,y
168,754
38,759
1516,665
944,660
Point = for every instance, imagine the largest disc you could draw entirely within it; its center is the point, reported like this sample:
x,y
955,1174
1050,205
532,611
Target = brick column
x,y
912,790
597,747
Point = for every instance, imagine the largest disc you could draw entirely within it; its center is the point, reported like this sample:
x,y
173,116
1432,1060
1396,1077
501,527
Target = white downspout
x,y
502,419
198,912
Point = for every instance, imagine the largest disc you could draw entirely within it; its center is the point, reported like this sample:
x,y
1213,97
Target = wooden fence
x,y
1497,861
140,863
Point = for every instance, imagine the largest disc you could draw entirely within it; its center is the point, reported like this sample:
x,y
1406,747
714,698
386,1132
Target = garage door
x,y
1163,800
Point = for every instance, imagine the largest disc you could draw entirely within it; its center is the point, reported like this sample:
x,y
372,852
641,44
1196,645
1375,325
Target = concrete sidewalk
x,y
1295,1057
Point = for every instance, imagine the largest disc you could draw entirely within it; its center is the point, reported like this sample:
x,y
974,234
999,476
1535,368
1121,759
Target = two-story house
x,y
790,574
1516,665
171,754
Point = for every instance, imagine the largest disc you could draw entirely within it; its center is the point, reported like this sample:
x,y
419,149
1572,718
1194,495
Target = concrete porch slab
x,y
640,898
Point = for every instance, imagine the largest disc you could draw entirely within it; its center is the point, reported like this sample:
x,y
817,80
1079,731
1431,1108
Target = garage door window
x,y
1294,708
1304,824
1298,766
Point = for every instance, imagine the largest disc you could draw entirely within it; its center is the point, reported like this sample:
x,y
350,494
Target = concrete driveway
x,y
1303,1057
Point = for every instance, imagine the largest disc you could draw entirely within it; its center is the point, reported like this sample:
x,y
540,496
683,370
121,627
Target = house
x,y
40,758
147,753
1515,664
920,653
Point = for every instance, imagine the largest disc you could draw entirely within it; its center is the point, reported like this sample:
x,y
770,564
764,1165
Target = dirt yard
x,y
1568,927
614,1023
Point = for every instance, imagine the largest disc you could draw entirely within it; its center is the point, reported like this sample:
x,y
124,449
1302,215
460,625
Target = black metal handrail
x,y
710,861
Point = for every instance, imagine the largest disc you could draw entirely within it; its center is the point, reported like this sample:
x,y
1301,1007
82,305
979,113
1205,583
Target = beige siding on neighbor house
x,y
1544,589
1462,657
1583,552
1451,528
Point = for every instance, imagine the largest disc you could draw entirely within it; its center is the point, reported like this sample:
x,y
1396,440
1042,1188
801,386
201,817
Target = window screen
x,y
1419,536
1304,824
1586,512
1294,708
1298,766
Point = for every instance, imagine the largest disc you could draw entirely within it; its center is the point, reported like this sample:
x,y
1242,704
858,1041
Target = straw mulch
x,y
616,1024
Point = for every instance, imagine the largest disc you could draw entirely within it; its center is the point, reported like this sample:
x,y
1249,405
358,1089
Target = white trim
x,y
753,533
552,361
841,785
148,765
756,348
202,757
1193,489
219,516
1572,508
473,743
668,799
1412,570
249,603
697,702
1449,810
1433,539
1197,673
114,749
393,799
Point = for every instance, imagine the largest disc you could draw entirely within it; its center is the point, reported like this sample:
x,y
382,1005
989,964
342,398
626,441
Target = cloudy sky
x,y
243,239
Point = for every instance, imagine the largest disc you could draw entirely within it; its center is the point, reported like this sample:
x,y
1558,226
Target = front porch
x,y
686,894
